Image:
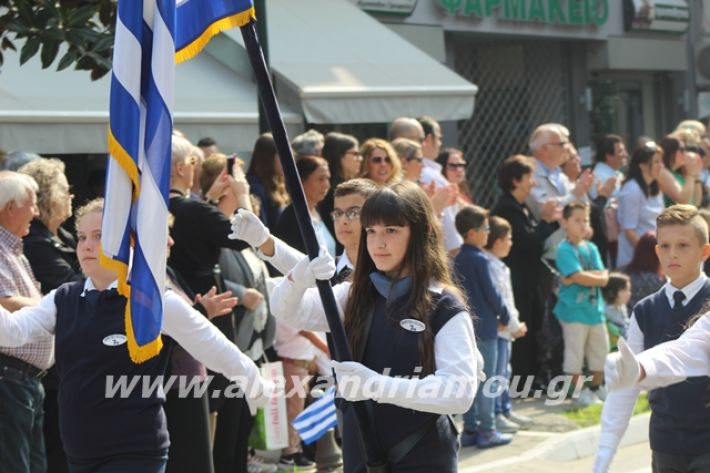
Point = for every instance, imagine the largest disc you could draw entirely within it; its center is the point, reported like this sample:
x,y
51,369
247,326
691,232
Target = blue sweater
x,y
679,413
473,271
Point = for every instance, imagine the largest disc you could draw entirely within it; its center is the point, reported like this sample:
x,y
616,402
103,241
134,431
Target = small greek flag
x,y
316,419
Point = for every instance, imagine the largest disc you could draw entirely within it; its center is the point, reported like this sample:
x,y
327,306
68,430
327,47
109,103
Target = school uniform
x,y
396,413
104,431
678,430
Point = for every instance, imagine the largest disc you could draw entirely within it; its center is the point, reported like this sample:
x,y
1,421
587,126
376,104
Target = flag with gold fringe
x,y
199,20
138,174
151,36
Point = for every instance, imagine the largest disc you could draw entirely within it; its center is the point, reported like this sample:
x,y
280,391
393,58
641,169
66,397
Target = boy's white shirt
x,y
619,404
501,275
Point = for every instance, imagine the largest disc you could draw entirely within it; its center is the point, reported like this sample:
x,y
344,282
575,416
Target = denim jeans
x,y
149,462
503,369
21,417
481,416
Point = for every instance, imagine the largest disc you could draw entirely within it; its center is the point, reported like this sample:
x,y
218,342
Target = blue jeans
x,y
503,369
481,416
148,462
21,416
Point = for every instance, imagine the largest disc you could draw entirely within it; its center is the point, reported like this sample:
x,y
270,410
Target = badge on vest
x,y
115,340
412,325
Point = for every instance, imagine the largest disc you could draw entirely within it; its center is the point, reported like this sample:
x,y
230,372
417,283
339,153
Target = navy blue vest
x,y
91,425
391,346
680,417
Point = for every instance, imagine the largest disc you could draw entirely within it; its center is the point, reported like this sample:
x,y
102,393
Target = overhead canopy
x,y
45,111
339,65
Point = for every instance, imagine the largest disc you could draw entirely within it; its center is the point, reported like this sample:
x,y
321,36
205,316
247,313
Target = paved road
x,y
632,459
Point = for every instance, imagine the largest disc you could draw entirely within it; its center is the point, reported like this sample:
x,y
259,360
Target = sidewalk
x,y
552,437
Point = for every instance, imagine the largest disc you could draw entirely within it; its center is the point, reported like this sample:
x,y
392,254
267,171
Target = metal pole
x,y
293,183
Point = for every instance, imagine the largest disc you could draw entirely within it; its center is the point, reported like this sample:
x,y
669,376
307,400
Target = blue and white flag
x,y
317,419
138,175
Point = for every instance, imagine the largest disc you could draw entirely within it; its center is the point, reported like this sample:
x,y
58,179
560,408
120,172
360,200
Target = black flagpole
x,y
293,183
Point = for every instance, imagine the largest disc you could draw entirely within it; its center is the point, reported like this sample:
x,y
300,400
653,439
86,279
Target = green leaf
x,y
24,9
98,73
7,44
80,16
50,49
67,59
29,49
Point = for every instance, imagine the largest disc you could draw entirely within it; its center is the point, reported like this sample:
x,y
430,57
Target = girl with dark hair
x,y
644,269
679,180
453,167
403,315
640,200
266,180
315,179
344,160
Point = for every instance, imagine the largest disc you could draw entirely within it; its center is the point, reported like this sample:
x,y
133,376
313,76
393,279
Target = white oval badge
x,y
412,325
115,340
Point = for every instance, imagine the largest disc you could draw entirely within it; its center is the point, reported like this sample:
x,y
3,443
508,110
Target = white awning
x,y
45,111
342,66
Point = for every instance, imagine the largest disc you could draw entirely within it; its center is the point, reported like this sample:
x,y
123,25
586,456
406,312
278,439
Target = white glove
x,y
247,226
259,396
603,460
479,367
621,369
307,271
355,381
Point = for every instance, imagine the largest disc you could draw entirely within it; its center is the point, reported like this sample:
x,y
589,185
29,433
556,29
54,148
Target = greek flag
x,y
199,20
138,174
316,419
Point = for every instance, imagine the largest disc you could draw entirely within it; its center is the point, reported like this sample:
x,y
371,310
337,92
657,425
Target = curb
x,y
570,446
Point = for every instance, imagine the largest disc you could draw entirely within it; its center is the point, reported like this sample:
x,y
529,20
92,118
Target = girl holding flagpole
x,y
107,428
408,327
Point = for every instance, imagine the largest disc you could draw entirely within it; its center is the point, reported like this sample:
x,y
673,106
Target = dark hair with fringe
x,y
402,204
617,282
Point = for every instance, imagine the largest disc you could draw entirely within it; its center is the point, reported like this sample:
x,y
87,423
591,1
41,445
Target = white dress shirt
x,y
619,404
188,327
500,274
454,380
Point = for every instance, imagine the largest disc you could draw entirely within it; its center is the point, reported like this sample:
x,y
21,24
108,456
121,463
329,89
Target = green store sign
x,y
556,12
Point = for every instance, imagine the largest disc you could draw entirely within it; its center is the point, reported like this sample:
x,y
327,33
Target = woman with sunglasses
x,y
380,162
453,167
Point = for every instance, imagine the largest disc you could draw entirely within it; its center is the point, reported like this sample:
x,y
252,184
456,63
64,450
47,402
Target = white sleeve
x,y
673,361
28,324
302,308
206,343
619,405
452,387
284,257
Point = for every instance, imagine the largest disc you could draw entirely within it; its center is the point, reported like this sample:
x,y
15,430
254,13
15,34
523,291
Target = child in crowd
x,y
473,269
678,431
500,240
580,307
616,294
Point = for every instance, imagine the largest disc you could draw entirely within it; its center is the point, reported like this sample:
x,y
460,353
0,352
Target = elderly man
x,y
21,394
550,146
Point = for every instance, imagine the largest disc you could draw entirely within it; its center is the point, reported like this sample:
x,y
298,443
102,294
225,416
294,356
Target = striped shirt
x,y
17,279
